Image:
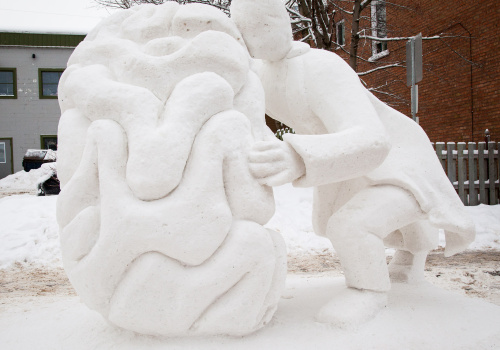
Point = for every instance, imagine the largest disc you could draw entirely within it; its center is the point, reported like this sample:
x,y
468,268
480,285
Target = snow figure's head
x,y
265,27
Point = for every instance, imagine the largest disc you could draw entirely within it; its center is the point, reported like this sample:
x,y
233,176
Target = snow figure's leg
x,y
408,262
357,231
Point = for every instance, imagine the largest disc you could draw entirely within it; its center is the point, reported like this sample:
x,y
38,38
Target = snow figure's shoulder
x,y
298,49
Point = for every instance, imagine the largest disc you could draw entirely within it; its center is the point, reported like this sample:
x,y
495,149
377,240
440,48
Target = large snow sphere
x,y
160,219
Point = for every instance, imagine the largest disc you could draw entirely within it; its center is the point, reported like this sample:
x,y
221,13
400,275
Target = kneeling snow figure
x,y
376,177
160,217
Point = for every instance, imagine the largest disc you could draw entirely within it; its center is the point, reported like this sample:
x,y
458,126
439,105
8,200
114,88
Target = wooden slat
x,y
483,197
440,147
473,200
492,172
450,163
461,172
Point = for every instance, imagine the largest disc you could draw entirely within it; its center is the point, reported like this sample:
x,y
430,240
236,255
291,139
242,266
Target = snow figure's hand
x,y
275,163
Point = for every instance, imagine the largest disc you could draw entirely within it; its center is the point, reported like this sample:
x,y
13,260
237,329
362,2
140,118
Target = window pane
x,y
6,90
51,77
3,157
49,142
49,90
6,77
49,83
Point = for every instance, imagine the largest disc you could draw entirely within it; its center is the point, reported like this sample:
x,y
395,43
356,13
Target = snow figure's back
x,y
160,219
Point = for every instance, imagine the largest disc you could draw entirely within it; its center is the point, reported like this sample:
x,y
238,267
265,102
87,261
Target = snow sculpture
x,y
160,217
377,179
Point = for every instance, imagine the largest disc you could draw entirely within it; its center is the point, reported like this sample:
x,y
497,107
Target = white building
x,y
36,41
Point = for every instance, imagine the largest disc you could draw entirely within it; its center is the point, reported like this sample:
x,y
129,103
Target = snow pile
x,y
26,182
29,232
292,219
487,220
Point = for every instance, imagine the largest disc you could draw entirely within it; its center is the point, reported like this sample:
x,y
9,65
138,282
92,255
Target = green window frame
x,y
46,141
48,81
8,83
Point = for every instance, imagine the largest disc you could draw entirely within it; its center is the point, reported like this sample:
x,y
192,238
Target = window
x,y
48,82
340,31
3,156
49,142
8,83
379,28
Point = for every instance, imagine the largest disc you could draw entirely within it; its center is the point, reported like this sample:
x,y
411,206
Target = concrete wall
x,y
28,117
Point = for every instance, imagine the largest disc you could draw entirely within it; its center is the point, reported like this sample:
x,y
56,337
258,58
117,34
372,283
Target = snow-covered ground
x,y
419,316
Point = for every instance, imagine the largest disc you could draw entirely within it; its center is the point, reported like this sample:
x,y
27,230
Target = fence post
x,y
473,200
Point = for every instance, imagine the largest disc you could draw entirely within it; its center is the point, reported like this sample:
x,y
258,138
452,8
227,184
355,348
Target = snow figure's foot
x,y
352,307
406,267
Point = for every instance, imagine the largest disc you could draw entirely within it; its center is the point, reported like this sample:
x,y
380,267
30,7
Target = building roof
x,y
75,17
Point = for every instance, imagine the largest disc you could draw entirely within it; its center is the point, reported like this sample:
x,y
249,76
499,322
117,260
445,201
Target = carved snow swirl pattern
x,y
161,222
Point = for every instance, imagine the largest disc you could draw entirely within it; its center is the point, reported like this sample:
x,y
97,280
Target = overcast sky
x,y
53,16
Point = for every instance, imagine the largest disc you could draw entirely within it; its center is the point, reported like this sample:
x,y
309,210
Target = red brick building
x,y
459,94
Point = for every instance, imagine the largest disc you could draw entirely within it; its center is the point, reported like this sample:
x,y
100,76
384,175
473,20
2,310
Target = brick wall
x,y
457,100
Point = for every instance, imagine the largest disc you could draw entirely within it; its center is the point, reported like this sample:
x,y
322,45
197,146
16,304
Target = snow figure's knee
x,y
254,239
161,221
343,226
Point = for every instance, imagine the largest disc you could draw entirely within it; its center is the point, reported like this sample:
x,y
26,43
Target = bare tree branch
x,y
370,37
380,68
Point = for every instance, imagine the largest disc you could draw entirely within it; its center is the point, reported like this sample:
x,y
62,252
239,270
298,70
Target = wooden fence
x,y
473,169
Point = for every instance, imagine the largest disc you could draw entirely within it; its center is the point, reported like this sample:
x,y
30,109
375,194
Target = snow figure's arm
x,y
275,163
356,142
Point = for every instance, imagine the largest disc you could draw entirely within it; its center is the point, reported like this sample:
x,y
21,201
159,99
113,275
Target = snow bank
x,y
26,182
487,220
292,219
29,232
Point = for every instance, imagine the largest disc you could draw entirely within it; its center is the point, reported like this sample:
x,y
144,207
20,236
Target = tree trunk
x,y
353,52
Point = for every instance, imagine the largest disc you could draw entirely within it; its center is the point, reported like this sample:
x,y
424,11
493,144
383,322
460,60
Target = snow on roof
x,y
50,16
